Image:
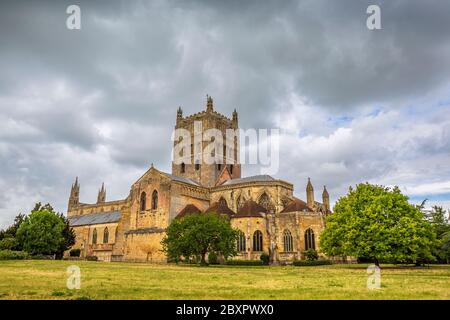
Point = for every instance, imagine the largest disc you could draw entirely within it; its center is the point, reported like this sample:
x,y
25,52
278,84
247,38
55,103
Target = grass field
x,y
35,279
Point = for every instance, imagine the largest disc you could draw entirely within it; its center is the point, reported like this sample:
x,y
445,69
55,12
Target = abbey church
x,y
270,219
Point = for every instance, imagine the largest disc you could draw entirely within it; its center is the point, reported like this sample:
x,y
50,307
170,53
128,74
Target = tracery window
x,y
287,241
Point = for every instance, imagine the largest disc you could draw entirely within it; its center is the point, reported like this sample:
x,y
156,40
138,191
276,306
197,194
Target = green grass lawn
x,y
35,279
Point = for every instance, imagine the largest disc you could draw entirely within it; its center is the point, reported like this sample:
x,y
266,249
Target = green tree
x,y
445,246
194,236
41,232
8,243
11,231
439,221
68,233
378,223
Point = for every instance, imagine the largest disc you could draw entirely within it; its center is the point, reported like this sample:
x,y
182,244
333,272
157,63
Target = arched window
x,y
240,202
223,202
219,167
287,241
310,242
264,202
241,242
183,168
155,200
106,235
231,169
143,200
94,236
257,241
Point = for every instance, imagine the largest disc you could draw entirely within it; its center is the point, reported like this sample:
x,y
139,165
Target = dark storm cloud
x,y
101,101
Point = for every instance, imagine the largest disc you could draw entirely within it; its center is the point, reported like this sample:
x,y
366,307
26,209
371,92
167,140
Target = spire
x,y
310,194
209,104
326,198
179,114
235,117
101,194
74,198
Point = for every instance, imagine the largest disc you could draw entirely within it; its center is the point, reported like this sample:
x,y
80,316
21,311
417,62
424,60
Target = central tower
x,y
191,164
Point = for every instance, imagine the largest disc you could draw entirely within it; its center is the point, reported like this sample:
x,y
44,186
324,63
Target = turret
x,y
310,194
179,114
74,199
101,198
326,198
235,118
209,104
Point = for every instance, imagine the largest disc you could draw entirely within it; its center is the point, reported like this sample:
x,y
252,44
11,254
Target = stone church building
x,y
270,219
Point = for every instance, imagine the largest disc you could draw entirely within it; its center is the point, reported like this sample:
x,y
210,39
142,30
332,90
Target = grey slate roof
x,y
258,178
95,218
182,179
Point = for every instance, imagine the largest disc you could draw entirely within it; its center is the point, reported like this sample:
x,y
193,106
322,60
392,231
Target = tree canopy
x,y
45,232
196,235
378,223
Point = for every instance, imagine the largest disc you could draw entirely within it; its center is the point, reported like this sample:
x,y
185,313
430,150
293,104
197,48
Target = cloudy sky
x,y
353,105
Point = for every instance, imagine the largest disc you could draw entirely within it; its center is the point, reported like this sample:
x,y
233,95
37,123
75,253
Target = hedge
x,y
13,255
245,263
92,258
307,263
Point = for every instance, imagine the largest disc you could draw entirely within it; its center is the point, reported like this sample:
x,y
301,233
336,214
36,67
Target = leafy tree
x,y
41,232
196,235
11,231
68,233
8,243
378,223
445,246
439,221
311,254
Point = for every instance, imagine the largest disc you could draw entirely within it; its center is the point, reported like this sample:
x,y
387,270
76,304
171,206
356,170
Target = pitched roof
x,y
297,205
189,209
182,179
95,218
221,209
250,209
257,178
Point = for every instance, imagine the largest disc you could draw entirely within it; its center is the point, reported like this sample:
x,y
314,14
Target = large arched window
x,y
94,236
257,241
264,201
241,242
106,235
222,202
240,202
155,200
287,241
143,200
310,242
197,166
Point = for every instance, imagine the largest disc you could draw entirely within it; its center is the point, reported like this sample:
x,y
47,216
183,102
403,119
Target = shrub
x,y
265,259
212,258
8,243
75,252
306,263
245,263
13,255
42,257
311,254
92,258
